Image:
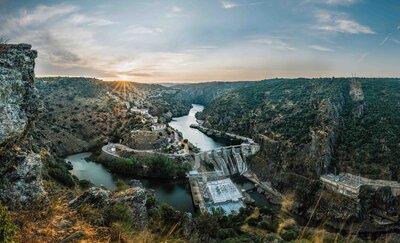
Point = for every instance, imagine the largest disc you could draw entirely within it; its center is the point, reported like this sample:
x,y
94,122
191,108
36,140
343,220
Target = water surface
x,y
197,138
174,193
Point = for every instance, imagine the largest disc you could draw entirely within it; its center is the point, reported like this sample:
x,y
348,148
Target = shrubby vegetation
x,y
287,111
151,166
58,169
8,229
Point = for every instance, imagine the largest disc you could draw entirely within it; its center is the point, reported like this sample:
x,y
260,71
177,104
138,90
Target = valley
x,y
288,159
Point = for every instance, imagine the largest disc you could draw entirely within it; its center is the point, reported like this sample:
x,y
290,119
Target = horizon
x,y
207,41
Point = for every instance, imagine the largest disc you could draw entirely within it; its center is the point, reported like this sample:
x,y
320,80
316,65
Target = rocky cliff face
x,y
20,169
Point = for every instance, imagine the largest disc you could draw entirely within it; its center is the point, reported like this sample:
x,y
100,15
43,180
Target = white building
x,y
140,111
128,105
158,127
154,119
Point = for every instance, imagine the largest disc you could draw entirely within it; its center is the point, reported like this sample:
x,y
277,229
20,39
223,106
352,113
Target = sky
x,y
207,40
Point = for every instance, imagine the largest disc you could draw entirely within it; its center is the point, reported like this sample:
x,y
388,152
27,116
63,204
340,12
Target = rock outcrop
x,y
20,169
134,198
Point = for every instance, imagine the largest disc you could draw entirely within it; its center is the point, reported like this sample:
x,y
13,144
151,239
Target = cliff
x,y
20,169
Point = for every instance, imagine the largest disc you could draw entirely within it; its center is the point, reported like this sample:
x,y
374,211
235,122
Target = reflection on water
x,y
174,193
197,138
91,171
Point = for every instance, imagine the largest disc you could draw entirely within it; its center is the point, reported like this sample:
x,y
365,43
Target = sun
x,y
123,87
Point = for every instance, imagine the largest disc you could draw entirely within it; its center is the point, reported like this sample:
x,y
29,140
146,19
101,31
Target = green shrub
x,y
8,229
289,235
62,176
120,213
121,185
226,233
84,184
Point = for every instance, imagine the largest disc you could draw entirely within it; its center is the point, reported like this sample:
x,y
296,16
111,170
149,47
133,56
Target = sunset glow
x,y
187,41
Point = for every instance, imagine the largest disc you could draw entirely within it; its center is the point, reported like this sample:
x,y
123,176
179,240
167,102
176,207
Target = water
x,y
91,171
197,138
174,193
259,199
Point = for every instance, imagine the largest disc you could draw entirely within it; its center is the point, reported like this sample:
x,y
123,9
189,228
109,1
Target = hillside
x,y
79,114
319,124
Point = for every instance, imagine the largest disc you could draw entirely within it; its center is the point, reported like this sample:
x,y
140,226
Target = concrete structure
x,y
231,159
154,119
158,127
349,185
223,194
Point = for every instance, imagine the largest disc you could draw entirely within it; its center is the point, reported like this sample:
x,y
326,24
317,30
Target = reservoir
x,y
197,138
174,193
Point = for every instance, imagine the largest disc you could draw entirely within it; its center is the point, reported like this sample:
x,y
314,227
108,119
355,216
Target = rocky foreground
x,y
20,169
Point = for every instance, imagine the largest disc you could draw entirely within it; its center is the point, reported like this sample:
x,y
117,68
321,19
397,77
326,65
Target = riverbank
x,y
233,138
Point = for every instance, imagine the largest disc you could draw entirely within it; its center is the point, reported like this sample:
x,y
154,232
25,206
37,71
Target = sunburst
x,y
123,87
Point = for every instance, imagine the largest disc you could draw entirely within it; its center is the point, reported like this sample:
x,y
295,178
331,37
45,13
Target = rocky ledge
x,y
20,169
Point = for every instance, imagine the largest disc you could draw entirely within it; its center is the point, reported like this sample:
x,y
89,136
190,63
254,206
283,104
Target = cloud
x,y
340,23
385,40
176,9
274,43
395,40
134,29
92,21
333,2
229,4
321,48
362,57
176,12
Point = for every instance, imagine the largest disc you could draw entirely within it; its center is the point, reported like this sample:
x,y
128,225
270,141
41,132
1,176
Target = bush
x,y
84,184
62,176
120,213
226,233
8,229
289,235
121,185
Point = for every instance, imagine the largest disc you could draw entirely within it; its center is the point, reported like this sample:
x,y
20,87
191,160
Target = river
x,y
197,138
174,193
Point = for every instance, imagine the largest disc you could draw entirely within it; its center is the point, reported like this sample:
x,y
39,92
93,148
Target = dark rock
x,y
135,183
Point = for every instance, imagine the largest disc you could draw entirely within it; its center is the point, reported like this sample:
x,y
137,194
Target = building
x,y
223,194
140,111
158,127
128,105
154,119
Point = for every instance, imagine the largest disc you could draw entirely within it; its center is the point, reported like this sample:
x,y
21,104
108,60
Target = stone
x,y
20,170
135,198
135,183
